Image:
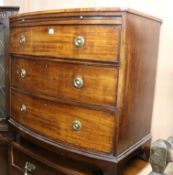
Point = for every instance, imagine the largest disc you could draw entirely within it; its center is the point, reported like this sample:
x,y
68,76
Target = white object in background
x,y
1,2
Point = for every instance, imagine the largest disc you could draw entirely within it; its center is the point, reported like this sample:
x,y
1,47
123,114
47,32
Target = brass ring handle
x,y
29,168
23,73
79,41
76,125
23,108
22,39
78,82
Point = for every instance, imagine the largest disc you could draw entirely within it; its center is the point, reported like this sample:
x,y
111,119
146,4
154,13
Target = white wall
x,y
1,2
162,124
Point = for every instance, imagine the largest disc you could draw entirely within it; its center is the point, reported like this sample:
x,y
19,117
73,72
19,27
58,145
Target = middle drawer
x,y
67,81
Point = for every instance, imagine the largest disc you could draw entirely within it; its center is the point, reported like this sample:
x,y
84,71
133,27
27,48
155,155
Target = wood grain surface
x,y
118,65
141,51
45,162
61,42
3,159
54,120
57,80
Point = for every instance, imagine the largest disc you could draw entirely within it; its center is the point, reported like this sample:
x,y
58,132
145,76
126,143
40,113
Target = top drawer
x,y
85,42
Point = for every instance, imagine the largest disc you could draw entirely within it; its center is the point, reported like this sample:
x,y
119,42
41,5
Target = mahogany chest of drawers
x,y
81,86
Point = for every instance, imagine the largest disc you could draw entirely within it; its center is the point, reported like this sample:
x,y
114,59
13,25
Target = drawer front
x,y
89,129
25,161
85,83
90,42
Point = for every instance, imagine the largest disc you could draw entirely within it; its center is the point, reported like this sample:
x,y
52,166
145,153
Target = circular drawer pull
x,y
79,41
23,108
76,125
29,168
78,82
22,72
22,39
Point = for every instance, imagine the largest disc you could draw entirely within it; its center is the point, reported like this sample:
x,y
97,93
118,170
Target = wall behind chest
x,y
163,105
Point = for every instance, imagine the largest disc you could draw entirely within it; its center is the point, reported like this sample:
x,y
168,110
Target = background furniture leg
x,y
160,155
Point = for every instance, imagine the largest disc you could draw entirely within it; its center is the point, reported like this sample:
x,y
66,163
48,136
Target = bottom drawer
x,y
81,127
24,161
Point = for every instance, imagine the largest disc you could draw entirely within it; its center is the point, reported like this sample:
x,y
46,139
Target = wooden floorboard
x,y
137,167
140,167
